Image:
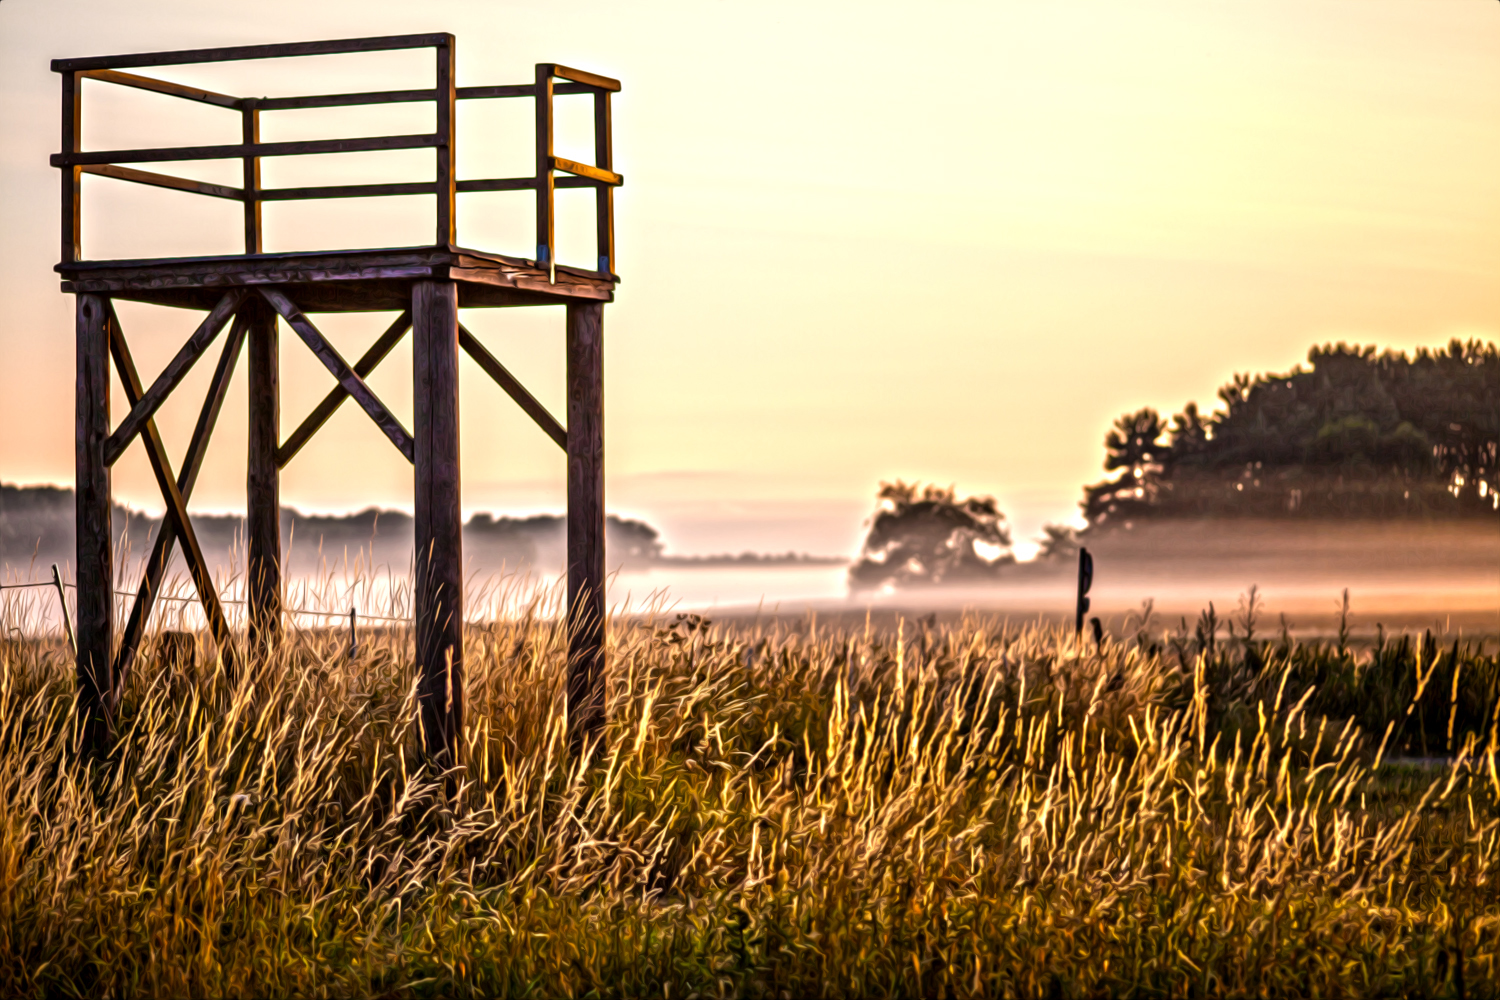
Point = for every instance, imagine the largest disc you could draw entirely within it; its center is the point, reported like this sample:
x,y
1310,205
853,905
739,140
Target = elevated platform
x,y
340,280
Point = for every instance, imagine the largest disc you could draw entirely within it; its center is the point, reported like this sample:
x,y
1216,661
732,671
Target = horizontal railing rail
x,y
75,161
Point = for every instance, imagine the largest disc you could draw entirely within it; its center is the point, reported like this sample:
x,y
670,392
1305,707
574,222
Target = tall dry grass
x,y
777,810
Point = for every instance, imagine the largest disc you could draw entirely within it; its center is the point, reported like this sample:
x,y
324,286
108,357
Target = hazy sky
x,y
946,241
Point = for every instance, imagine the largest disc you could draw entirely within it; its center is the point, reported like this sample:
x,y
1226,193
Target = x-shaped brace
x,y
176,500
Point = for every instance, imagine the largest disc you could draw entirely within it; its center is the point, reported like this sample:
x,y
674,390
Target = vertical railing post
x,y
546,250
447,150
250,135
72,176
263,476
439,595
585,377
604,194
95,573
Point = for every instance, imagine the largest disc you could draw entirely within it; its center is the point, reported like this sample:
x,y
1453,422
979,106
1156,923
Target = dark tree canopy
x,y
928,537
1355,433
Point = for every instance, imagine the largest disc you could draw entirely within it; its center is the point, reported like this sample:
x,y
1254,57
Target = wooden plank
x,y
346,100
585,680
240,150
161,468
336,396
72,179
519,90
492,92
546,251
233,53
346,191
513,387
162,87
262,480
584,170
445,182
95,566
250,172
163,181
604,195
352,383
585,77
172,375
498,184
187,478
438,587
523,184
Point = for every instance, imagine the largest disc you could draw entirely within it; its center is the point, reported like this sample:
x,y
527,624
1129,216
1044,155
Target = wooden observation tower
x,y
248,292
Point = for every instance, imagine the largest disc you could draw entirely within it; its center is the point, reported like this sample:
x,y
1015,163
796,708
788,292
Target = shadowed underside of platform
x,y
342,280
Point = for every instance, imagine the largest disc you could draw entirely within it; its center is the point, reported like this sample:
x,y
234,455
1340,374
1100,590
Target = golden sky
x,y
946,241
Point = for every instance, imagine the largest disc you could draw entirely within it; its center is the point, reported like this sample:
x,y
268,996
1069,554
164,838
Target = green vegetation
x,y
974,809
1355,434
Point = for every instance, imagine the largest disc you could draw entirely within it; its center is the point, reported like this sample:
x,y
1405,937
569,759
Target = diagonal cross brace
x,y
513,387
166,536
351,382
336,396
161,466
176,370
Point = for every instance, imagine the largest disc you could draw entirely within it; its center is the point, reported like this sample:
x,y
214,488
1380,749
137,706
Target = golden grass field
x,y
778,808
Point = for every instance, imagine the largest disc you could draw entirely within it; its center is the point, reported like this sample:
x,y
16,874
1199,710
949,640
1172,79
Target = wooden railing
x,y
599,175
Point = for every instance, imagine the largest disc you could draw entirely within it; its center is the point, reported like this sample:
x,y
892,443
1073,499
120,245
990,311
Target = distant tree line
x,y
927,536
1354,434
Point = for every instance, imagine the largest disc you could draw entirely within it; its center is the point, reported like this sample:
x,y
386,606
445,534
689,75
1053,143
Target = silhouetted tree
x,y
1356,433
927,537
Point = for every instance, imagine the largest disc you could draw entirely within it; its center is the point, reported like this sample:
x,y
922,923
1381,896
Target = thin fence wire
x,y
193,600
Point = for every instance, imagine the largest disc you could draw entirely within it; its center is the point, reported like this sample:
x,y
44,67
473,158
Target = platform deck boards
x,y
340,280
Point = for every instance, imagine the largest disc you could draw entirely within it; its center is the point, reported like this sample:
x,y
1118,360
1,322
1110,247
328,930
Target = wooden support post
x,y
438,587
585,522
263,490
95,632
546,253
250,134
447,150
604,194
72,177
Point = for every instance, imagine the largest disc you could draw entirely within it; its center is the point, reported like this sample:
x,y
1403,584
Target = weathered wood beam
x,y
353,384
584,170
604,195
250,172
161,467
72,177
513,387
187,478
593,80
446,180
438,588
585,681
161,87
238,151
236,52
346,191
95,567
172,375
262,480
546,251
163,181
336,396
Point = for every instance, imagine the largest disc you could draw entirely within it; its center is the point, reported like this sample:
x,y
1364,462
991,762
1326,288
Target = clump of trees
x,y
926,536
1354,434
